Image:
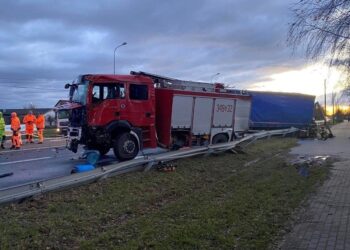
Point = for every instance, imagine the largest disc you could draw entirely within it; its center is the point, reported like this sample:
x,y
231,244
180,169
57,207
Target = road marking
x,y
28,149
34,159
60,139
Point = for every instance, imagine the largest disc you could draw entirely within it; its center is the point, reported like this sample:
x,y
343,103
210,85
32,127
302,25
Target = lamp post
x,y
211,81
334,94
325,101
124,43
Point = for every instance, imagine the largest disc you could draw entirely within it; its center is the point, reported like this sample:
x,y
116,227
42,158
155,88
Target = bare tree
x,y
323,27
30,106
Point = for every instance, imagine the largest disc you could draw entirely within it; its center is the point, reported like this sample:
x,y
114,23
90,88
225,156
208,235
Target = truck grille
x,y
63,124
74,133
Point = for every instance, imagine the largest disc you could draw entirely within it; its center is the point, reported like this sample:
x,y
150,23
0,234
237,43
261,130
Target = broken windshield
x,y
78,91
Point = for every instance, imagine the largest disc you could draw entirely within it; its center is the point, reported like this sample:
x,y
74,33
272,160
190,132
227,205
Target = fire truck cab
x,y
142,110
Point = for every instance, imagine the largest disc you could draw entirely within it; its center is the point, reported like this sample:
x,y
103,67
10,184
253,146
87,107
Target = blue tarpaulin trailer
x,y
276,110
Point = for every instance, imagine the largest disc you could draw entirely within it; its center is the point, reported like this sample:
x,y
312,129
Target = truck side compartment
x,y
187,118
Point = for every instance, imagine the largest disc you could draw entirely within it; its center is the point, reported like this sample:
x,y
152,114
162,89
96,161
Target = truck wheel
x,y
219,138
125,147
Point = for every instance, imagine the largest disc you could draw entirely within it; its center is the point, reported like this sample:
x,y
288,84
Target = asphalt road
x,y
35,162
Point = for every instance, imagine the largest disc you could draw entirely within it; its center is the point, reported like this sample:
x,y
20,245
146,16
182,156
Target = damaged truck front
x,y
101,117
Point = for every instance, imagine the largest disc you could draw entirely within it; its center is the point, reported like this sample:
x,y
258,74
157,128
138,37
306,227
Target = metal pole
x,y
325,100
211,81
124,43
333,103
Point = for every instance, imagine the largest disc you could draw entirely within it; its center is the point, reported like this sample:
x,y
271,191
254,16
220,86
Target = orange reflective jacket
x,y
40,122
29,120
15,123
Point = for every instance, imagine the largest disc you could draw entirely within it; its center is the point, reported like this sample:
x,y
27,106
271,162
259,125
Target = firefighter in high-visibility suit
x,y
40,125
2,130
29,121
16,130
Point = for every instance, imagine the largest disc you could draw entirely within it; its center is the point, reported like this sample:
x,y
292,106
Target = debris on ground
x,y
166,167
304,163
2,175
82,168
251,162
92,156
238,150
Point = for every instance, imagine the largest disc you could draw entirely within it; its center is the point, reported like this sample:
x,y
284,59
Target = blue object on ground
x,y
92,156
276,110
83,168
304,171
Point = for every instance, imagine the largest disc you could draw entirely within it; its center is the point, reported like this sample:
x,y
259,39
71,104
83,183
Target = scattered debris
x,y
238,150
92,156
82,168
318,129
251,162
2,175
303,163
166,167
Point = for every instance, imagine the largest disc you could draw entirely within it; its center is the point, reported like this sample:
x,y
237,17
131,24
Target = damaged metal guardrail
x,y
21,192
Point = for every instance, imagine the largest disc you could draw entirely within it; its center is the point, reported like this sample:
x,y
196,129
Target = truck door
x,y
141,107
106,103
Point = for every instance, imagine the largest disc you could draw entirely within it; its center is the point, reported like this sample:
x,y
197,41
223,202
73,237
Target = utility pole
x,y
333,104
325,101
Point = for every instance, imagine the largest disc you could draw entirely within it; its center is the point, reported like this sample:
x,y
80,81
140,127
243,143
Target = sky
x,y
44,44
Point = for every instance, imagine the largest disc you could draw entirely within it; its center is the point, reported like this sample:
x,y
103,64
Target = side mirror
x,y
67,86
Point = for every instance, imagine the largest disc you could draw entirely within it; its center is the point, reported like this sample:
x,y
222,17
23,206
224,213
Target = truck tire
x,y
125,147
219,138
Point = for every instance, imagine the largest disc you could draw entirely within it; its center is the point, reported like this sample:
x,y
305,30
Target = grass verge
x,y
209,202
51,132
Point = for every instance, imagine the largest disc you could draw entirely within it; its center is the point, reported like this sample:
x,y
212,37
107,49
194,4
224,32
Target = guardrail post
x,y
149,166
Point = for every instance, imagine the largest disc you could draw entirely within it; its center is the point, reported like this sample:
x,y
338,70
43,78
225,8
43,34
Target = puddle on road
x,y
304,163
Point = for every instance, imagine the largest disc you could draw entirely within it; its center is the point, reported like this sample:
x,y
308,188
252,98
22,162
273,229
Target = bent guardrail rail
x,y
21,192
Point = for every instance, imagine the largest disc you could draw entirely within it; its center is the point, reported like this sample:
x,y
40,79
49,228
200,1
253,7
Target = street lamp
x,y
325,100
124,43
211,81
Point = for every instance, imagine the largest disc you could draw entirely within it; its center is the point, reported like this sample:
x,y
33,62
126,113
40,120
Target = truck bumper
x,y
73,138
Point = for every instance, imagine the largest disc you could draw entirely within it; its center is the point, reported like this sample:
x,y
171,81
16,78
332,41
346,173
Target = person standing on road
x,y
29,121
40,125
15,127
2,130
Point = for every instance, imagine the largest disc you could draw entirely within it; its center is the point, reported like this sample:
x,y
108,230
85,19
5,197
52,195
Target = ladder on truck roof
x,y
172,83
167,82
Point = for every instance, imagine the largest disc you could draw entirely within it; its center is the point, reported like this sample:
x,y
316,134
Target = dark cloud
x,y
44,44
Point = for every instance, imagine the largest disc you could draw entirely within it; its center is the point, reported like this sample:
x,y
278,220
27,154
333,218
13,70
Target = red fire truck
x,y
131,112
